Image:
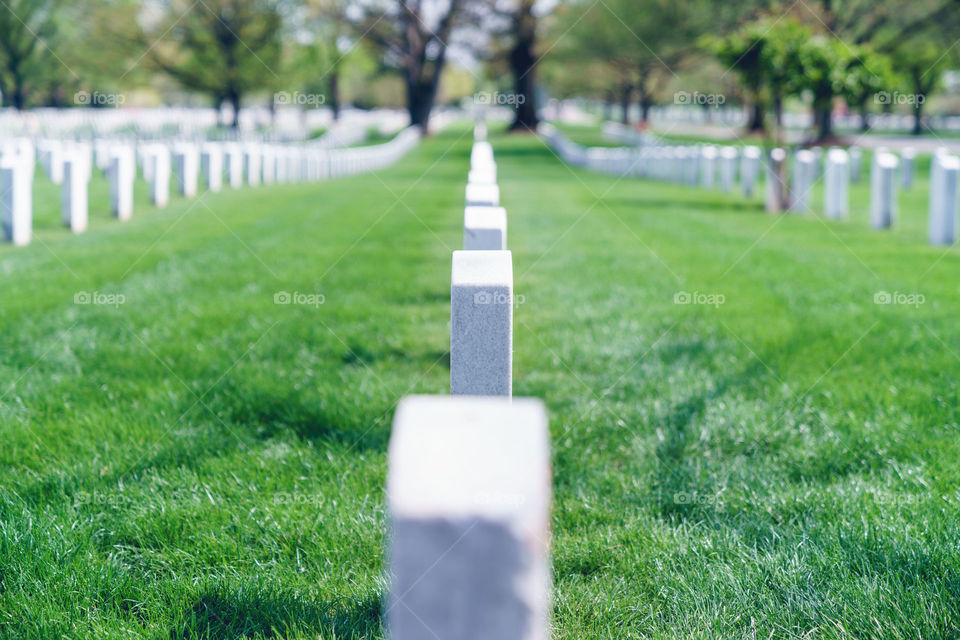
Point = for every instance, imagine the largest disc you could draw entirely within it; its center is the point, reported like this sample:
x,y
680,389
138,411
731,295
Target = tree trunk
x,y
778,110
626,94
420,96
334,90
918,115
233,97
522,64
19,92
422,82
864,119
756,117
824,121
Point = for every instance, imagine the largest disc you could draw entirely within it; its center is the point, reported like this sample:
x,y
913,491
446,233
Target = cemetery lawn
x,y
193,460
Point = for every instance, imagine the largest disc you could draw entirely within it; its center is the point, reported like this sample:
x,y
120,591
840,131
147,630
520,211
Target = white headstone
x,y
483,174
483,195
160,188
708,163
234,155
481,155
468,497
211,162
883,190
252,157
836,184
817,162
122,173
16,201
55,161
907,156
749,168
186,167
804,173
481,323
944,179
73,193
728,168
775,179
485,228
272,157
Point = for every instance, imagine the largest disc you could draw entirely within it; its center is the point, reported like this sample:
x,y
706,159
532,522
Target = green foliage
x,y
867,73
822,62
921,64
223,48
28,29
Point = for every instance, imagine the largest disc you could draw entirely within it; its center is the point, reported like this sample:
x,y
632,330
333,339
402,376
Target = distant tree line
x,y
868,54
632,54
311,52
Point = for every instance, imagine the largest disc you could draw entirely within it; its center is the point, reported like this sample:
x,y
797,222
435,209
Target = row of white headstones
x,y
469,482
700,165
70,164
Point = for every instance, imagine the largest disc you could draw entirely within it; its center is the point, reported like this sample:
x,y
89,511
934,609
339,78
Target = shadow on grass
x,y
218,615
709,202
675,482
267,410
524,153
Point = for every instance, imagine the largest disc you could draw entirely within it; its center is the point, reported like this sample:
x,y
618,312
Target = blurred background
x,y
806,70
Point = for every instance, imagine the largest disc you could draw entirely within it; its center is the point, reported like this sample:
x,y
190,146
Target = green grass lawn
x,y
200,462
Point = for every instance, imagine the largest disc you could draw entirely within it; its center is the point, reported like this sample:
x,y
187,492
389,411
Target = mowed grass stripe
x,y
781,463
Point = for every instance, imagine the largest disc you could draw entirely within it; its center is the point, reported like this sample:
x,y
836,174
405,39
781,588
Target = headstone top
x,y
482,268
887,160
444,437
950,162
485,217
837,155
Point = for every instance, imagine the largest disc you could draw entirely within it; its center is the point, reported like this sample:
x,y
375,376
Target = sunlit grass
x,y
199,461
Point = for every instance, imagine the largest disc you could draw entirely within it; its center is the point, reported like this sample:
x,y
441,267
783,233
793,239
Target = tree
x,y
766,56
26,29
224,48
512,25
643,42
104,42
921,64
412,42
588,33
523,66
823,63
867,75
742,51
328,25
